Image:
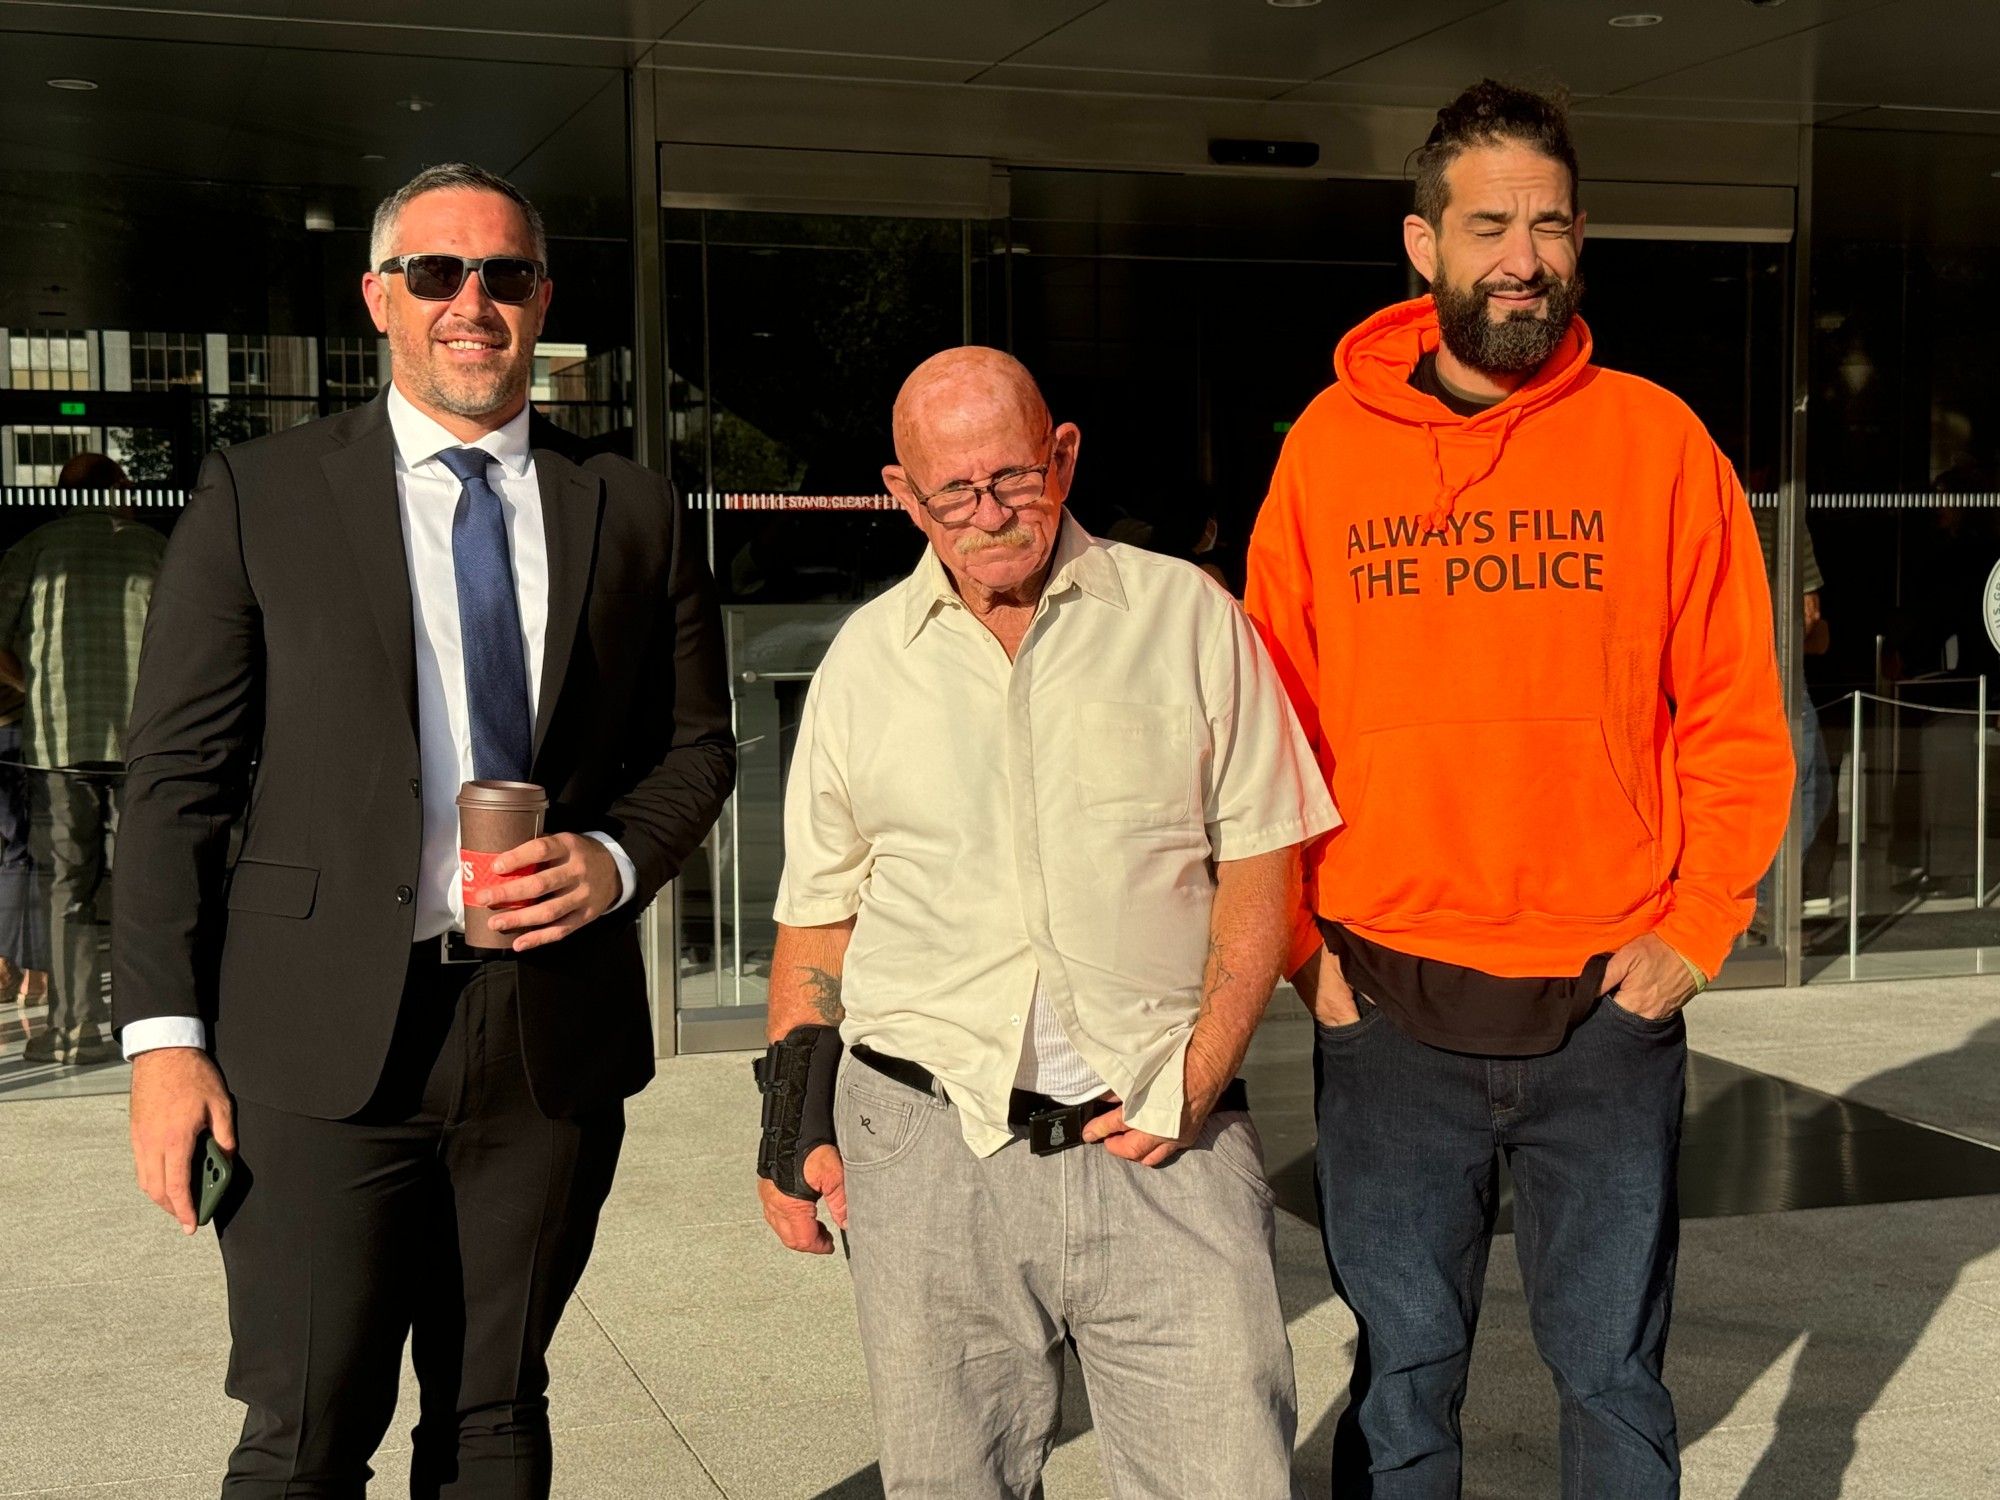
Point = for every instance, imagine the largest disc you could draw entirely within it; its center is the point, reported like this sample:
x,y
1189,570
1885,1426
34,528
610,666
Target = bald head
x,y
974,436
966,398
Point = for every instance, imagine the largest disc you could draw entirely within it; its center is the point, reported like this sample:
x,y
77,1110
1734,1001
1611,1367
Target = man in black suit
x,y
353,618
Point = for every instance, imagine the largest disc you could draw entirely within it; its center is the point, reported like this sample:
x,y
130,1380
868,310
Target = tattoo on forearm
x,y
1219,976
823,989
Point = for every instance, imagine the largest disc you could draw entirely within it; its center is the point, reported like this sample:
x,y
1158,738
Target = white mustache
x,y
981,541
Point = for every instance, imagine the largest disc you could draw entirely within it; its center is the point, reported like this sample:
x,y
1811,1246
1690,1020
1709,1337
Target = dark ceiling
x,y
307,105
302,90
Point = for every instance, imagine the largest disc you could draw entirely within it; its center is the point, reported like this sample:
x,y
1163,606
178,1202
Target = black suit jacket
x,y
277,691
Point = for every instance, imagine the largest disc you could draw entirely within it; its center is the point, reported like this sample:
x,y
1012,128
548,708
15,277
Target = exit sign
x,y
71,409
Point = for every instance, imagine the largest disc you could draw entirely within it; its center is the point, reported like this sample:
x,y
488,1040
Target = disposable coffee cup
x,y
493,817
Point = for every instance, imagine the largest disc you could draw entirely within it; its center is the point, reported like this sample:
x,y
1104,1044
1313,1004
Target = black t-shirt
x,y
1466,1010
1446,1005
1425,378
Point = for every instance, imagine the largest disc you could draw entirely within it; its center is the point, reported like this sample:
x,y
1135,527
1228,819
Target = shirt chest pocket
x,y
1136,763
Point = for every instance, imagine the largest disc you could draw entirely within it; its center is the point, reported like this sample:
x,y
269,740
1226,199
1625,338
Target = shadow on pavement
x,y
1753,1144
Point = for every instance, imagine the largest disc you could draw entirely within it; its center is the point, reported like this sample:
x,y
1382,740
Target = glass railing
x,y
1900,873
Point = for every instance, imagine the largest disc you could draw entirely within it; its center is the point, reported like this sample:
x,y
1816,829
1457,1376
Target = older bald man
x,y
1040,842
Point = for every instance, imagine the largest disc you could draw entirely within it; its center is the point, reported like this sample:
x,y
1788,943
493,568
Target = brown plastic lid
x,y
503,796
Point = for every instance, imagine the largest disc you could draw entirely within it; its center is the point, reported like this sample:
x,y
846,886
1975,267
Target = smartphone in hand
x,y
211,1167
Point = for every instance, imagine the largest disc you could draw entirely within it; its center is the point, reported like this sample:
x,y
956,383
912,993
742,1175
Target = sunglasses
x,y
438,278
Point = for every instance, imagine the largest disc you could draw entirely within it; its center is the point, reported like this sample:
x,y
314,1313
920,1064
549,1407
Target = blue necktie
x,y
489,624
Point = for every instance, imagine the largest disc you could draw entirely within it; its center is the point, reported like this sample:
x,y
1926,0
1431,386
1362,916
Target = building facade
x,y
762,214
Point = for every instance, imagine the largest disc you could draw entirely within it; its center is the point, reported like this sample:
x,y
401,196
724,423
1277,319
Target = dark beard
x,y
1521,342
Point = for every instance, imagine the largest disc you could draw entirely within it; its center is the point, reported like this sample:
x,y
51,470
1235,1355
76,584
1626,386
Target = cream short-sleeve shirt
x,y
988,823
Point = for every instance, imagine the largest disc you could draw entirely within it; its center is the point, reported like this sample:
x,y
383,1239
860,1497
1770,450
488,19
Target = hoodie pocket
x,y
1493,819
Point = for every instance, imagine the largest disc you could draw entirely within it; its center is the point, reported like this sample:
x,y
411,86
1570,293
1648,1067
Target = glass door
x,y
1905,517
1710,321
788,336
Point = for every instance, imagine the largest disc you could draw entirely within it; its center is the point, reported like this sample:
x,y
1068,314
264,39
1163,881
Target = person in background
x,y
1518,601
1177,520
73,600
1819,825
1818,828
24,918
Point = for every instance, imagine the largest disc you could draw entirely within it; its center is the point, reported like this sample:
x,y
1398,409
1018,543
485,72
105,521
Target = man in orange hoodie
x,y
1520,607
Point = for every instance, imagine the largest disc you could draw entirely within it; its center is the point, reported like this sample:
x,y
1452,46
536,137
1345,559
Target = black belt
x,y
450,949
910,1075
1050,1124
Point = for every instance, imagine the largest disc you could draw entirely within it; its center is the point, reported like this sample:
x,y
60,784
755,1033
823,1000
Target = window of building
x,y
49,361
37,454
273,384
166,361
249,364
353,367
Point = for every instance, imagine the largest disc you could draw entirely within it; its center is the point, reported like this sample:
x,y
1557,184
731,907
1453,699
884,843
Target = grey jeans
x,y
970,1272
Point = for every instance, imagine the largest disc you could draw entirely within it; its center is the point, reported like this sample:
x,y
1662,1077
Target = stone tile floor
x,y
1834,1351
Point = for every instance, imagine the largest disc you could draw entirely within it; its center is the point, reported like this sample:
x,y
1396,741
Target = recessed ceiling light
x,y
73,85
372,156
1291,4
55,223
1634,21
415,105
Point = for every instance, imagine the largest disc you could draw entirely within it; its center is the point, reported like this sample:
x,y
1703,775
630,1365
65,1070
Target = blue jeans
x,y
1409,1144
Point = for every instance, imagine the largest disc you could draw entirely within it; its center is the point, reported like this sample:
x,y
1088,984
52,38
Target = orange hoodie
x,y
1532,649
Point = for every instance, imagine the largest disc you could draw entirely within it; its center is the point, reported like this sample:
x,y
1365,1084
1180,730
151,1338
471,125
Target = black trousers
x,y
451,1210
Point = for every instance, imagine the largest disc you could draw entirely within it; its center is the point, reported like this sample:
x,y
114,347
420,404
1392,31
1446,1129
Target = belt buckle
x,y
459,953
1054,1130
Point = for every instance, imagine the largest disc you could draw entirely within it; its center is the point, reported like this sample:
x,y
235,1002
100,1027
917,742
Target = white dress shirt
x,y
1040,833
427,497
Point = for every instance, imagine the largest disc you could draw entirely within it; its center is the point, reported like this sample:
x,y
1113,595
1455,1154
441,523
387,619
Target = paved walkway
x,y
1832,1351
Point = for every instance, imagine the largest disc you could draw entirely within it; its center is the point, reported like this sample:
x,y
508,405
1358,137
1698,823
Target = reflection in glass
x,y
1181,323
73,598
1708,322
1904,455
788,337
123,333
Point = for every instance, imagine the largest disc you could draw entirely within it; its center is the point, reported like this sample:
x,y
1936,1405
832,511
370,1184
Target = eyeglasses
x,y
437,278
1012,489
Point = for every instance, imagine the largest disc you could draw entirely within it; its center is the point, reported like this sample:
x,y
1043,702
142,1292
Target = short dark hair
x,y
92,471
460,176
1488,114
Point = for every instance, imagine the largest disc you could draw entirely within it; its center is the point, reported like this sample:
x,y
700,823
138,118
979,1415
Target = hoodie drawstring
x,y
1448,493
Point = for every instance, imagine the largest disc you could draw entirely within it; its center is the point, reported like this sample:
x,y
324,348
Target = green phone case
x,y
211,1177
